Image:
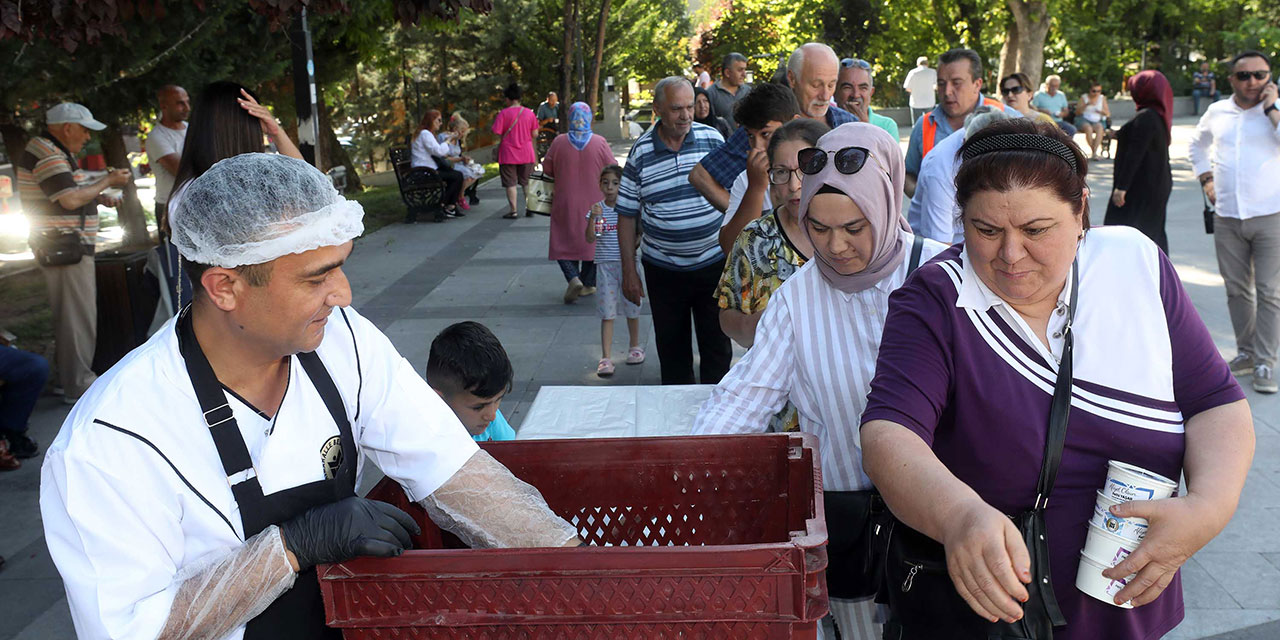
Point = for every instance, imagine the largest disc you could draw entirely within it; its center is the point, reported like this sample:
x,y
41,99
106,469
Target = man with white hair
x,y
682,259
812,72
1054,103
933,212
195,486
922,84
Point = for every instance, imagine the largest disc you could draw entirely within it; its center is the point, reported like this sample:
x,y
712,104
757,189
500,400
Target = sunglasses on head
x,y
849,160
854,62
1015,90
1243,76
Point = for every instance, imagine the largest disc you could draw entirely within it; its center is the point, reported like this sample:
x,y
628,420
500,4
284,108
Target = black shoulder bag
x,y
57,247
923,602
852,521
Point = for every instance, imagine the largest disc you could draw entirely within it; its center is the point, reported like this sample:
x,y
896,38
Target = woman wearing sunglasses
x,y
1016,92
816,342
1094,111
975,344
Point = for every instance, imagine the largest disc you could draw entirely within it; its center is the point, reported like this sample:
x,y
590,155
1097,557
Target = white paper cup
x,y
1126,482
1107,548
1134,529
1090,580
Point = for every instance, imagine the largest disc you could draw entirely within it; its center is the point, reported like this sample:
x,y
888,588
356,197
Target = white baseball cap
x,y
72,112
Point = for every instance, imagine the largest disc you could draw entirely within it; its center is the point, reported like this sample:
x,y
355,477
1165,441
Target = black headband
x,y
1022,142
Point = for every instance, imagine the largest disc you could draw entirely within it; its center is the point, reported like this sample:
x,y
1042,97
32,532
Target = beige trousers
x,y
73,299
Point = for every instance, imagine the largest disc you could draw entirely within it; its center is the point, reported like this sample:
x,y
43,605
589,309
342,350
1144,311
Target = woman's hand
x,y
269,124
988,561
1117,197
1177,528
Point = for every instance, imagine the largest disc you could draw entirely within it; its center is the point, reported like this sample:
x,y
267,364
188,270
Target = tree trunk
x,y
15,140
579,65
1009,51
132,218
1032,17
331,150
566,66
593,96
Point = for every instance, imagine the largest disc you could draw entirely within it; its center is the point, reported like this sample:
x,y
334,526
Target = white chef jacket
x,y
1242,148
132,489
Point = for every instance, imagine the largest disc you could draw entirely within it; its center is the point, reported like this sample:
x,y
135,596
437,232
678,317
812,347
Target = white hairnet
x,y
255,207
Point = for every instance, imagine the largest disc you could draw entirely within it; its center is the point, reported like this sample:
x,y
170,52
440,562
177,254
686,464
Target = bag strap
x,y
514,121
917,249
1060,408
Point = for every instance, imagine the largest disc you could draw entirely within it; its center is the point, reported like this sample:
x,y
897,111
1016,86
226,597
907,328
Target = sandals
x,y
511,216
636,355
605,368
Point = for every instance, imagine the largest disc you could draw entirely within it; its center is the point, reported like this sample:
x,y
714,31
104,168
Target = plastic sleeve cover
x,y
488,507
214,598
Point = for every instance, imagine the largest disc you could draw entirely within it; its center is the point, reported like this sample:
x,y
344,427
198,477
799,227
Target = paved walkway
x,y
415,280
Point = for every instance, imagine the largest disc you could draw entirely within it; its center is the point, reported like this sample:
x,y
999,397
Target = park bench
x,y
421,189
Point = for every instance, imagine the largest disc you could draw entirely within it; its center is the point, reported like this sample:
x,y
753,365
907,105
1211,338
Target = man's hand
x,y
348,528
1269,95
757,169
118,177
1117,197
1210,192
858,109
632,289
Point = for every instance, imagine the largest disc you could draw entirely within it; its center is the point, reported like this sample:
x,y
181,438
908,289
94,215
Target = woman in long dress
x,y
1143,179
575,160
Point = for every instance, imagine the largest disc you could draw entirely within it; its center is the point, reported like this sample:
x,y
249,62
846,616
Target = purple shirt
x,y
959,369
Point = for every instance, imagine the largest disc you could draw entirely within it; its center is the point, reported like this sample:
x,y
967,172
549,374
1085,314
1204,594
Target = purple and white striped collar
x,y
975,294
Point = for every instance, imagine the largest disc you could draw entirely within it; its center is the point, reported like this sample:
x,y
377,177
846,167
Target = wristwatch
x,y
1268,110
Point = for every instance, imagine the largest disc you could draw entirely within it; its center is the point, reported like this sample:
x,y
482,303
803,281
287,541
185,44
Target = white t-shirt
x,y
133,489
424,147
704,80
163,141
736,192
922,82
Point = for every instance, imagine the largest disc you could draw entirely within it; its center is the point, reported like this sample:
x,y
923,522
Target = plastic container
x,y
1134,529
1107,548
1127,482
695,537
1090,580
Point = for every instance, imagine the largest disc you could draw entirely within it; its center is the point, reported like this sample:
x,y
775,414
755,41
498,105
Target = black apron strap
x,y
345,478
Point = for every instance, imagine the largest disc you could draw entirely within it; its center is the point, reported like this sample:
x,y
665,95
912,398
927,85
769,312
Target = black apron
x,y
299,612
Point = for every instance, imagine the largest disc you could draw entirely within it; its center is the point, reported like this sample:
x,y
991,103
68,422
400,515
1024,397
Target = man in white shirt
x,y
703,79
195,486
922,84
164,146
1236,155
932,212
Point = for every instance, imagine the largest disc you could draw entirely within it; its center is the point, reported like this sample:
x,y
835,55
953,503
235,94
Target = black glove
x,y
348,528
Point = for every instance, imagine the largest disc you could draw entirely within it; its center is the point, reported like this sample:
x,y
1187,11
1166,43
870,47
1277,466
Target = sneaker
x,y
20,446
605,368
636,355
574,290
586,291
1264,379
1241,365
462,204
473,199
8,462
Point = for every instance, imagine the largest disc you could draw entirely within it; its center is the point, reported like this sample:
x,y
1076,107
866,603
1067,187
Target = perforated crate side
x,y
698,631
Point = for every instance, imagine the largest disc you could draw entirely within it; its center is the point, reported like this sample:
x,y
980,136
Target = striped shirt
x,y
46,172
816,346
680,227
606,234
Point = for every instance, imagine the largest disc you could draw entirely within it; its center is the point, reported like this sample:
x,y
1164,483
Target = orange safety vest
x,y
931,128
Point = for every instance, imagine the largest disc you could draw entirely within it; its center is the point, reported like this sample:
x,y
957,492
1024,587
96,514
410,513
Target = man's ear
x,y
223,287
795,116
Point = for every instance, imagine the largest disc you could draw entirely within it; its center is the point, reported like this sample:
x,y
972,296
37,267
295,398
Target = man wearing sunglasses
x,y
960,91
854,89
1236,154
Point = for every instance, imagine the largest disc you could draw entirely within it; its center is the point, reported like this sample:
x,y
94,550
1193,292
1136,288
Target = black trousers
x,y
452,185
674,296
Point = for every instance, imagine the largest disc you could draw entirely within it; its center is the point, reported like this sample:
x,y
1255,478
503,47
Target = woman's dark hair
x,y
1021,77
766,103
512,92
428,120
1023,168
613,169
467,357
806,129
219,128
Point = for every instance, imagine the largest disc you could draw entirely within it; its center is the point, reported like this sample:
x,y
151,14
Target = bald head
x,y
175,106
812,72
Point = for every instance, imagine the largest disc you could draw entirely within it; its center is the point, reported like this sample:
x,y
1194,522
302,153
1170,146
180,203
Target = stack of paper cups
x,y
1111,538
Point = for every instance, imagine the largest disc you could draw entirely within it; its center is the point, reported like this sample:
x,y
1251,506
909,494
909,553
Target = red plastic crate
x,y
694,537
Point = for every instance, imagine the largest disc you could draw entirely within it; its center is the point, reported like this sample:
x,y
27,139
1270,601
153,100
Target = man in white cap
x,y
63,218
194,488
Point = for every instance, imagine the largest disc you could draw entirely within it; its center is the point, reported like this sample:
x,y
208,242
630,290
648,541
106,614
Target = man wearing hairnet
x,y
195,486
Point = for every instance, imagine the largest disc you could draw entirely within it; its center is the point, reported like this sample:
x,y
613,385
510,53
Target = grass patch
x,y
25,311
383,205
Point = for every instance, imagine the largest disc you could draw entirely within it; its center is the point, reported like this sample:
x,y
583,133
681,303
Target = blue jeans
x,y
1196,94
584,271
24,375
1067,127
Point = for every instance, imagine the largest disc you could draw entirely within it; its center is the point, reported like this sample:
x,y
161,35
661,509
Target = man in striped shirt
x,y
682,259
52,200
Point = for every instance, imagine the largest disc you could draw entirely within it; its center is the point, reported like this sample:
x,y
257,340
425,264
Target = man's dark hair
x,y
257,275
512,92
956,55
766,103
612,169
730,59
1250,54
467,357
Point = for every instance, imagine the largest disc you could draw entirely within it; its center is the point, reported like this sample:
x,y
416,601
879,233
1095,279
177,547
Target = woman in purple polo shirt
x,y
954,430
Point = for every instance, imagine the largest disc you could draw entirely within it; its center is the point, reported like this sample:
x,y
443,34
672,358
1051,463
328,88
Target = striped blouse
x,y
816,346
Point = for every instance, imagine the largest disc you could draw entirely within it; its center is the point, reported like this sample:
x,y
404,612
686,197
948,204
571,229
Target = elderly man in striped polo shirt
x,y
682,259
52,201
